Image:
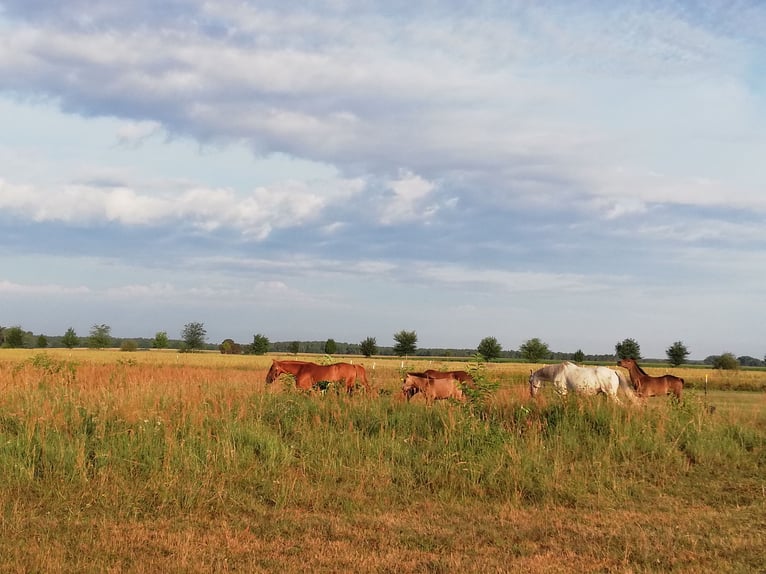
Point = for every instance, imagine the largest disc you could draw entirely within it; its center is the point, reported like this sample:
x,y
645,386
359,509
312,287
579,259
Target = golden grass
x,y
67,529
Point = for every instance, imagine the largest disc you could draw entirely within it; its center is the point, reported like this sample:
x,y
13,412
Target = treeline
x,y
194,338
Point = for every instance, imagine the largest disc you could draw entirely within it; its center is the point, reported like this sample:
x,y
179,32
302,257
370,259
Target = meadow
x,y
168,462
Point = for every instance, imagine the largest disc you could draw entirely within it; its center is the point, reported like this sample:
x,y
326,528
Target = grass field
x,y
167,462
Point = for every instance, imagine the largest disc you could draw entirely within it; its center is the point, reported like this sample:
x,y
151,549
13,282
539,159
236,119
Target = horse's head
x,y
534,383
410,385
274,372
626,363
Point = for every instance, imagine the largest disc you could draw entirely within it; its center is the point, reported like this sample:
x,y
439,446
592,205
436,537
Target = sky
x,y
577,171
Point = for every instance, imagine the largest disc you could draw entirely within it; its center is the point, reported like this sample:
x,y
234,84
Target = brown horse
x,y
433,388
279,368
461,376
309,374
648,386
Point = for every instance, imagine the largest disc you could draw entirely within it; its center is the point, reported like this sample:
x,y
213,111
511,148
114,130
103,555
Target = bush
x,y
129,345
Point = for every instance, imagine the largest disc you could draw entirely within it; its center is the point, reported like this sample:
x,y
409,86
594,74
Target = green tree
x,y
194,335
100,337
628,349
14,338
129,345
534,350
579,356
489,348
330,347
294,347
70,339
160,340
406,343
260,345
369,347
726,362
42,341
677,353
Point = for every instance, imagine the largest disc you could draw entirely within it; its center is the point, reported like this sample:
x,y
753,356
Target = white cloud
x,y
408,200
252,214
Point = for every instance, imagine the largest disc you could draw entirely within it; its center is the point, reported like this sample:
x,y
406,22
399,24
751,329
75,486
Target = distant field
x,y
158,461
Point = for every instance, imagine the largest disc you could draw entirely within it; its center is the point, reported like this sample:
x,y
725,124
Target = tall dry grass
x,y
190,462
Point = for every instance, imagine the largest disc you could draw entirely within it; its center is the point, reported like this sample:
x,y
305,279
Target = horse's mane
x,y
553,370
640,370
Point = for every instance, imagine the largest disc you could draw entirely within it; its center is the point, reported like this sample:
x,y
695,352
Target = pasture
x,y
167,462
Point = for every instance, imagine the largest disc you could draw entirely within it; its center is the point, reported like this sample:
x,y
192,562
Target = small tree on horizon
x,y
628,349
42,342
489,348
70,339
579,356
726,362
160,340
260,345
677,353
330,347
14,337
368,347
534,350
100,337
406,343
194,335
294,347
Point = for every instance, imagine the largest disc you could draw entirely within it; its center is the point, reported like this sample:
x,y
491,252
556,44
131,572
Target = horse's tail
x,y
626,388
362,374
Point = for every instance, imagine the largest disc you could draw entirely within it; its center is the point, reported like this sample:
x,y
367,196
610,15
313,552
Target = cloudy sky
x,y
582,172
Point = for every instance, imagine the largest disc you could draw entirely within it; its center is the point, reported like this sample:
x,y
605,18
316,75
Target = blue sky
x,y
581,172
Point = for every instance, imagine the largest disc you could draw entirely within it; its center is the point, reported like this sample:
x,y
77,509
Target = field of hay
x,y
167,462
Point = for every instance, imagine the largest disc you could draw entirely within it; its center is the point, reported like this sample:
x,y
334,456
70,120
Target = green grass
x,y
134,468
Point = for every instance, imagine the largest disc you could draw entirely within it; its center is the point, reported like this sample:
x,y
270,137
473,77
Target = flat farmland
x,y
167,462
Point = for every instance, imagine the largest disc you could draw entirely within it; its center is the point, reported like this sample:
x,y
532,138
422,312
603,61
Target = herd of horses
x,y
436,385
567,377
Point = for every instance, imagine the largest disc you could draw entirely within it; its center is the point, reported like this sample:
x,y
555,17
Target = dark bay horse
x,y
648,386
309,374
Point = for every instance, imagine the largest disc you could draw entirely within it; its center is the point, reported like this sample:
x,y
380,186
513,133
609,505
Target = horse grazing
x,y
461,376
309,374
648,386
279,368
433,388
585,380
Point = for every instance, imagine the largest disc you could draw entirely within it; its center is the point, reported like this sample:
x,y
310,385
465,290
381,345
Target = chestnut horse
x,y
648,386
309,374
433,388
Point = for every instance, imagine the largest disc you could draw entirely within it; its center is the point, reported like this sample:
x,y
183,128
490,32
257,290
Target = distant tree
x,y
748,361
726,362
489,348
260,345
14,338
229,347
628,349
677,353
129,345
534,350
160,340
194,335
294,347
70,338
42,341
579,356
406,343
330,347
100,337
368,347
